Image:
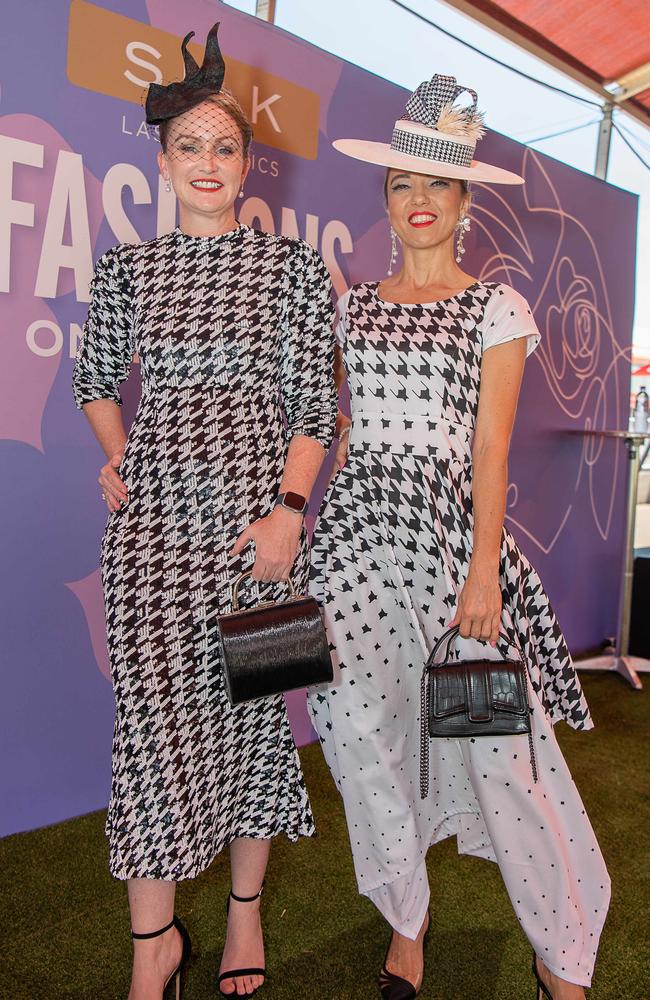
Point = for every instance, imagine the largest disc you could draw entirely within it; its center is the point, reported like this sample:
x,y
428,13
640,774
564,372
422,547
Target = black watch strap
x,y
292,501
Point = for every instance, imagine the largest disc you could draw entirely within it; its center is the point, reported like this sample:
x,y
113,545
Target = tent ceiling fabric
x,y
604,39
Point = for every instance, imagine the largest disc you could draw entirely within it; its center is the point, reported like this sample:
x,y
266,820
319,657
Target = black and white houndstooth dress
x,y
390,554
234,337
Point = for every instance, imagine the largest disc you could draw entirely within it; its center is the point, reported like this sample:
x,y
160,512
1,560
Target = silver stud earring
x,y
168,186
241,193
464,225
393,250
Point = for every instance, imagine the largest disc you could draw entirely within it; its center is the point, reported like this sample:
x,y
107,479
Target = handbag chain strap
x,y
236,585
424,736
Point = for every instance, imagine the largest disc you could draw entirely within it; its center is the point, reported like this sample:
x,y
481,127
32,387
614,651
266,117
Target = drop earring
x,y
241,193
168,186
464,225
393,250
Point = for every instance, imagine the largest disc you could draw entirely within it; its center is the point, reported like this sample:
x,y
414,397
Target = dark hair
x,y
463,183
228,103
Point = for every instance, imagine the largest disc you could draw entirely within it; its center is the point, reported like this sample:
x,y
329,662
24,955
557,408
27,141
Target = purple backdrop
x,y
76,177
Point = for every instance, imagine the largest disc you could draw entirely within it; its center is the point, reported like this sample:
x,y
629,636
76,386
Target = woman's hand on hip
x,y
276,538
114,489
479,606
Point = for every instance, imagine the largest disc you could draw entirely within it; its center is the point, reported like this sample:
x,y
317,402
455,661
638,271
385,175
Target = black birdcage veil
x,y
202,133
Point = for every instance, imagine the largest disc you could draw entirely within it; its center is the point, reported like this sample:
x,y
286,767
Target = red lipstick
x,y
420,220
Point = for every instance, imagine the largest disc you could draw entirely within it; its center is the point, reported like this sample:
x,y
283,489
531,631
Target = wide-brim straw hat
x,y
434,137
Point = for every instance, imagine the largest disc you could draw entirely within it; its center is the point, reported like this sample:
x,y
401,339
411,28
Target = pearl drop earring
x,y
241,193
393,250
464,225
168,186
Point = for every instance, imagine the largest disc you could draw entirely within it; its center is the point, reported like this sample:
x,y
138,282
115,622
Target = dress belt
x,y
420,432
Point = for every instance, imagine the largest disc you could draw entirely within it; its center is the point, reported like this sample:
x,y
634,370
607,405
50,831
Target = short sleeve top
x,y
507,317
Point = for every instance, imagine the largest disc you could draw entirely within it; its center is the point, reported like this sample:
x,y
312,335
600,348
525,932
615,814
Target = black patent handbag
x,y
273,647
463,699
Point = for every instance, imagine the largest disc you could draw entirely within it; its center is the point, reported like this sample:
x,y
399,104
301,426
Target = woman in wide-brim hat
x,y
233,328
410,541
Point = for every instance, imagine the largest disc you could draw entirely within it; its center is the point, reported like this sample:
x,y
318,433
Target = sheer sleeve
x,y
308,391
508,317
340,320
106,349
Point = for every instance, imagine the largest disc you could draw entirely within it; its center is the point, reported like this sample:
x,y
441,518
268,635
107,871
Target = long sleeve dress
x,y
234,338
390,554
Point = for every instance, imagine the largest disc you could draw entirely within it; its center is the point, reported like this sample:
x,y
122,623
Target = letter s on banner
x,y
118,177
130,50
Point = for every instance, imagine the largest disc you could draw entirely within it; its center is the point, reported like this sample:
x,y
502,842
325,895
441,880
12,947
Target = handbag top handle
x,y
451,634
249,572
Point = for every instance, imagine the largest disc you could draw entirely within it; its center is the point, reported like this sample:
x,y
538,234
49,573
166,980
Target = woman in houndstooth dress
x,y
410,540
232,328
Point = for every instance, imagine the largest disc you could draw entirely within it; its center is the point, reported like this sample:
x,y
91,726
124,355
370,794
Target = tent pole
x,y
266,10
604,142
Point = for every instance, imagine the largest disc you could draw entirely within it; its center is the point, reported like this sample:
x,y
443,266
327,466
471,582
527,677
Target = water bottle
x,y
641,411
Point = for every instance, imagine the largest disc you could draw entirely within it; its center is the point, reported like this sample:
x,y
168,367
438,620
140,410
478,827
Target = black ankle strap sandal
x,y
238,973
244,899
178,973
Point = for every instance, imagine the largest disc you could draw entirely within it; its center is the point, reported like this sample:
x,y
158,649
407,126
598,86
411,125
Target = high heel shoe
x,y
179,971
237,973
393,987
542,990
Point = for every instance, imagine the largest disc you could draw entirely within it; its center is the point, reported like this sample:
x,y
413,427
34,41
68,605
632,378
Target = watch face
x,y
294,502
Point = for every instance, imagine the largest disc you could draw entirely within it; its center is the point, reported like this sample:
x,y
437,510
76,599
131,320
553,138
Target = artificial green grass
x,y
65,924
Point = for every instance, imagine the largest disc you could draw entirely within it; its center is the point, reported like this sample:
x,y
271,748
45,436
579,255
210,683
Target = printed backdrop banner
x,y
78,174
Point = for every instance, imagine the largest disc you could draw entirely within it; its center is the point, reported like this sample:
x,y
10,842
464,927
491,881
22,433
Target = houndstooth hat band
x,y
431,148
436,135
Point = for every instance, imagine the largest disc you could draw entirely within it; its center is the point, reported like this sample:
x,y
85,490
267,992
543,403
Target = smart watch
x,y
292,501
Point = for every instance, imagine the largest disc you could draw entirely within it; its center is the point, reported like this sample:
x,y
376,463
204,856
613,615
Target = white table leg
x,y
628,667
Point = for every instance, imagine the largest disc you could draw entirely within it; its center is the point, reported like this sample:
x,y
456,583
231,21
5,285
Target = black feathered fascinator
x,y
165,102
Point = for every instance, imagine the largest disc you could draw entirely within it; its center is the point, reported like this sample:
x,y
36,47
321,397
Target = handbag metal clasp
x,y
479,697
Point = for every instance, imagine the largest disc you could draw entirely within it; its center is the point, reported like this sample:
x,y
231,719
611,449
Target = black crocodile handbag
x,y
471,698
273,647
